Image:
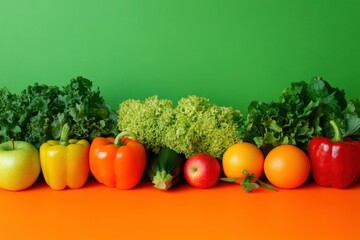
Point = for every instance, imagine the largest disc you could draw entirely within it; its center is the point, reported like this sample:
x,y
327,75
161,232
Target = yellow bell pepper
x,y
65,162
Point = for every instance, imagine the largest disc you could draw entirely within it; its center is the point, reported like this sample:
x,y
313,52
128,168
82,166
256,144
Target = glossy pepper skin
x,y
335,162
65,163
118,162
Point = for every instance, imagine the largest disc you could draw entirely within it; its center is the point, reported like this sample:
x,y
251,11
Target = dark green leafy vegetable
x,y
38,113
39,105
303,111
10,112
352,119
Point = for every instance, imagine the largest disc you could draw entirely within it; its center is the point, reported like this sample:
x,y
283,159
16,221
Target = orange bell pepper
x,y
118,162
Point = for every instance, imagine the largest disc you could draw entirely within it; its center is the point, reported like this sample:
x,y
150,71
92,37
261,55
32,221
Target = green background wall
x,y
231,51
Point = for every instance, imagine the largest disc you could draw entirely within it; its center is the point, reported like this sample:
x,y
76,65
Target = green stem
x,y
127,134
13,143
64,138
249,182
338,137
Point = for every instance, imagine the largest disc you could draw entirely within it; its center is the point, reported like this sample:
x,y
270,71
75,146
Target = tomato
x,y
287,166
241,156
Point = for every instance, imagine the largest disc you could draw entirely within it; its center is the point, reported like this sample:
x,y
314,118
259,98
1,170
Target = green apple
x,y
19,165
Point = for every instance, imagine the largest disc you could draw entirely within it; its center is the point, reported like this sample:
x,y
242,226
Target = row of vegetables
x,y
122,161
276,145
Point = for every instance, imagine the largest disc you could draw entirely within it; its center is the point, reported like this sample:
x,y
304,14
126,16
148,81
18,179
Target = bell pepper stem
x,y
64,138
127,134
13,143
338,137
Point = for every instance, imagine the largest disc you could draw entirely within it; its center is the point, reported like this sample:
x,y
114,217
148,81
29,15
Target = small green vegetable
x,y
164,169
249,182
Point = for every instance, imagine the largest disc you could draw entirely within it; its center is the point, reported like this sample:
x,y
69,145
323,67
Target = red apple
x,y
202,170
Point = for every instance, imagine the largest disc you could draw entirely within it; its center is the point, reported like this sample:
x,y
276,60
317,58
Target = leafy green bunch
x,y
200,126
149,120
302,112
38,113
193,126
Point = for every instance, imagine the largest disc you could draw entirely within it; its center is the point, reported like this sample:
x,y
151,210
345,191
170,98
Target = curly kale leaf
x,y
39,104
86,111
38,113
10,119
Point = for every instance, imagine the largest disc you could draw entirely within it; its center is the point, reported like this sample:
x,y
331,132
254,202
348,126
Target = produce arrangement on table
x,y
69,133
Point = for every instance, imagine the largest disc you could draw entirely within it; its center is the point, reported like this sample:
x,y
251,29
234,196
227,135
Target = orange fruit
x,y
287,166
241,156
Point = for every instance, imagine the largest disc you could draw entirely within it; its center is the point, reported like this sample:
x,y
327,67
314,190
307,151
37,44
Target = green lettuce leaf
x,y
302,112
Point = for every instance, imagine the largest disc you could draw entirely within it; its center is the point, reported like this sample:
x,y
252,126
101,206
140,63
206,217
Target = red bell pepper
x,y
335,162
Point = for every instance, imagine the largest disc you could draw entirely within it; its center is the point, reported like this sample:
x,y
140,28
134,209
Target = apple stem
x,y
13,143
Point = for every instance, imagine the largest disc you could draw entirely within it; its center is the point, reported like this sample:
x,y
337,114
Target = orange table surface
x,y
222,212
